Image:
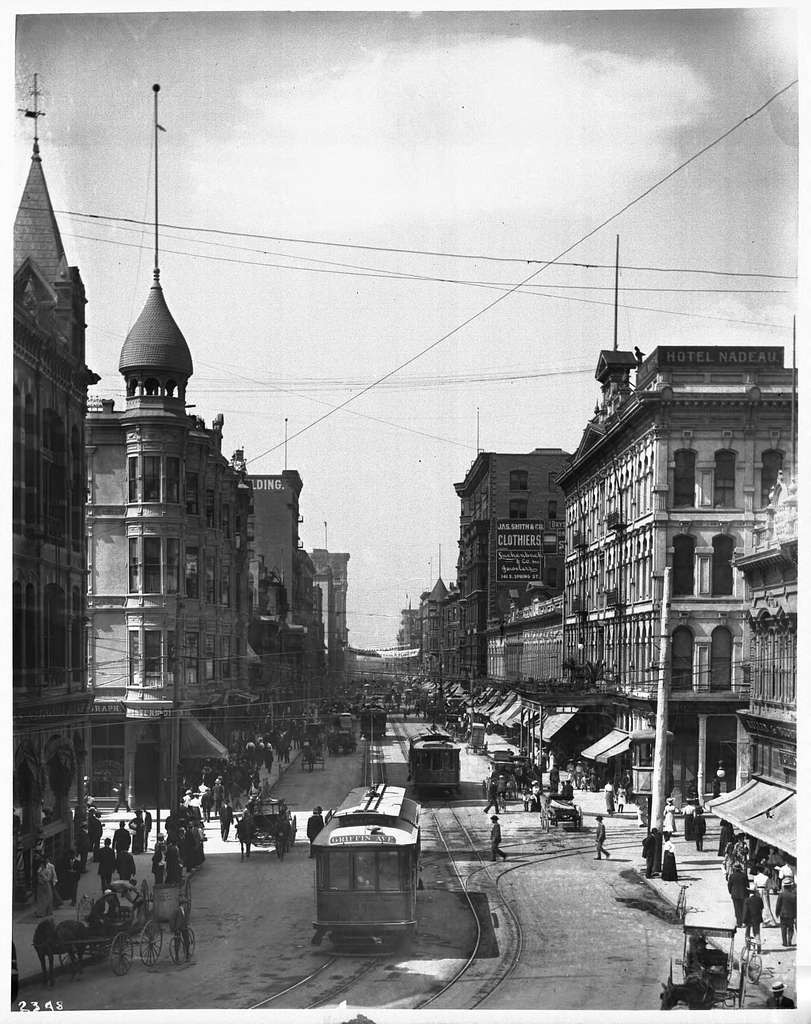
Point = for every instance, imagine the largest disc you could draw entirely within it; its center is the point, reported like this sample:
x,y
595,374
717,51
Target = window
x,y
551,577
551,480
364,870
172,480
225,586
152,565
191,653
135,572
552,508
225,657
684,479
518,508
134,656
339,870
721,659
192,572
722,548
209,655
152,657
771,463
211,593
152,478
388,871
171,655
518,479
226,520
724,481
172,565
684,548
209,508
192,494
681,652
132,464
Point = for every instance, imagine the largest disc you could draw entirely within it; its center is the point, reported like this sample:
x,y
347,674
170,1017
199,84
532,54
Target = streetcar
x,y
373,722
433,762
366,869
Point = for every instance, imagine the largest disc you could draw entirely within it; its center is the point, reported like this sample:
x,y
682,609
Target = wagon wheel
x,y
83,908
121,953
151,943
178,950
185,898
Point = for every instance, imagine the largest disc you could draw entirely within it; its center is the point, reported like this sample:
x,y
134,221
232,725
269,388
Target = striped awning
x,y
615,742
554,723
764,810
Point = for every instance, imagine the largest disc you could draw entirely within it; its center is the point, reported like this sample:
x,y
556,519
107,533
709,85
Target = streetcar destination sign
x,y
377,837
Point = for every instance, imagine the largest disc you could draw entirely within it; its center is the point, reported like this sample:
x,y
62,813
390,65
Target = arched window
x,y
170,388
681,659
31,463
684,548
684,479
724,479
132,387
771,463
722,548
721,659
151,387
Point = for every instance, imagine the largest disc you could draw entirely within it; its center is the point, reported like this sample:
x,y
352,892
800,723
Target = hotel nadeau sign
x,y
723,355
519,546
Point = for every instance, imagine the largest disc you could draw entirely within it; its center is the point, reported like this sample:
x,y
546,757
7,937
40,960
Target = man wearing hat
x,y
777,1000
786,911
599,838
314,825
495,839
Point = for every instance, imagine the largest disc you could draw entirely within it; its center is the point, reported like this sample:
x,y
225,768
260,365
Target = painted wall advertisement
x,y
519,547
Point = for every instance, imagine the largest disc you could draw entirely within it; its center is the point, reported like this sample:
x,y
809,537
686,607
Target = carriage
x,y
274,825
565,812
341,735
709,975
476,741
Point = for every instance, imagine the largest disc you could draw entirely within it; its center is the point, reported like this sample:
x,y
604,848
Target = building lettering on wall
x,y
733,356
519,544
268,483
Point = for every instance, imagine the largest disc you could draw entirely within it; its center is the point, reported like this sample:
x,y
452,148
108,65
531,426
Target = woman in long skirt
x,y
669,873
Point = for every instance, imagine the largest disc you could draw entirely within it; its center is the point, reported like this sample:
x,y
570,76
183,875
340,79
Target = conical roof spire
x,y
36,233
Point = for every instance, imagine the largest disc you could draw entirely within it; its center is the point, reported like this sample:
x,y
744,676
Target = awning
x,y
764,810
503,717
554,723
197,741
615,742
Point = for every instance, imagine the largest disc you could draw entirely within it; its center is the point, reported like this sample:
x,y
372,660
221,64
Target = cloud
x,y
480,128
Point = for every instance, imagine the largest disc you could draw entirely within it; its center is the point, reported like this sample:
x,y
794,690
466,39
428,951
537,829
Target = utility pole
x,y
662,695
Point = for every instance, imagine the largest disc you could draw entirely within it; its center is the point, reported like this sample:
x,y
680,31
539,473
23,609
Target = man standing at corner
x,y
599,838
495,839
649,851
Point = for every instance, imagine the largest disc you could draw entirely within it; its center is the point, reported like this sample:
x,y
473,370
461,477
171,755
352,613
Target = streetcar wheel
x,y
121,954
151,943
754,968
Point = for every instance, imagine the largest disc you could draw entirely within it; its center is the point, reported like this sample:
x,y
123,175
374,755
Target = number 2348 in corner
x,y
32,1006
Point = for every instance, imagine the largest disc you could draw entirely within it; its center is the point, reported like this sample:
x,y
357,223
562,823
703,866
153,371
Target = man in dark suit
x,y
699,828
314,825
122,838
649,851
106,865
226,815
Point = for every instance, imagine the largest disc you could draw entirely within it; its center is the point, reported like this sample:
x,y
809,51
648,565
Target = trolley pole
x,y
660,743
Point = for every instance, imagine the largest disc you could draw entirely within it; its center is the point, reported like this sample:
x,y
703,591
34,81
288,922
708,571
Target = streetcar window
x,y
365,870
388,871
339,870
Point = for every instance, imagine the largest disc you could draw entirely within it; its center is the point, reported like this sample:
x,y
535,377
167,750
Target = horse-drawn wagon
x,y
274,825
710,978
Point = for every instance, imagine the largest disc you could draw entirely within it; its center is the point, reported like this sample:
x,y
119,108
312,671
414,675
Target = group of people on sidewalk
x,y
754,875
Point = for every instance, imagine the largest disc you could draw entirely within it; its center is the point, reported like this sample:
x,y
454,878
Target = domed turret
x,y
155,354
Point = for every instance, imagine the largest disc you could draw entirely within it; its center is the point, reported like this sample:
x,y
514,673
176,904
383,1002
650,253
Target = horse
x,y
695,993
50,939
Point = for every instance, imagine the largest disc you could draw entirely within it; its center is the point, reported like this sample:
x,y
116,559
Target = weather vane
x,y
36,113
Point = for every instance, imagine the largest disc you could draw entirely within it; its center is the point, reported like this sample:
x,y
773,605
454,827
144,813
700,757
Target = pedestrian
x,y
218,794
206,801
136,827
226,816
94,831
495,839
554,781
786,910
147,829
492,793
699,828
640,813
125,865
726,836
543,811
121,797
314,825
46,880
245,835
669,873
738,887
777,1000
174,865
669,823
763,884
649,851
159,859
622,796
83,847
608,790
599,836
753,916
106,864
784,873
122,837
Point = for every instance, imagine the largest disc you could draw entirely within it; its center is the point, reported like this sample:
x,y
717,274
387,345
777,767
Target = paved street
x,y
563,928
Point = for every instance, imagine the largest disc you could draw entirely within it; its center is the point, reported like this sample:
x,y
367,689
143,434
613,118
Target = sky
x,y
442,158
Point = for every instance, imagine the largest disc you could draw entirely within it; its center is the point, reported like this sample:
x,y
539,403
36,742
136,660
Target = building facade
x,y
167,572
511,535
671,471
51,701
527,646
331,575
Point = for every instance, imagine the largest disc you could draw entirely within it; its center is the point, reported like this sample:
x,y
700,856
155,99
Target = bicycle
x,y
681,903
751,960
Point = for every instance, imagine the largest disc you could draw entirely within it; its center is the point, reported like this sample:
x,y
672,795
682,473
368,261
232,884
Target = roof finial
x,y
158,127
36,113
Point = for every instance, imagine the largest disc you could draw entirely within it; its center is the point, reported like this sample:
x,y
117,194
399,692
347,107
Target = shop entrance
x,y
147,773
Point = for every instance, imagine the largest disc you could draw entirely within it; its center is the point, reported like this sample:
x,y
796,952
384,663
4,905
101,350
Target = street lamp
x,y
718,784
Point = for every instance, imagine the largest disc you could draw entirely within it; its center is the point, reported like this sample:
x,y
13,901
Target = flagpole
x,y
156,89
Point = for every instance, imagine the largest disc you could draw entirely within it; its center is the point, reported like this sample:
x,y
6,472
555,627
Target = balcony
x,y
615,521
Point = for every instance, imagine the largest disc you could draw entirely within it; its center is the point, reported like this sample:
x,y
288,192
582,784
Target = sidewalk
x,y
24,920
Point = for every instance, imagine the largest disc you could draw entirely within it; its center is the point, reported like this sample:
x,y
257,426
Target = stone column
x,y
701,782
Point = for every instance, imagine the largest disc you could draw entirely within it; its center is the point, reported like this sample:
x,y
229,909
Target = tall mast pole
x,y
616,289
794,460
156,270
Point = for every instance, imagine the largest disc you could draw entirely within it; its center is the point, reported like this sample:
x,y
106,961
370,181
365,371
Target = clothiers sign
x,y
519,546
721,356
